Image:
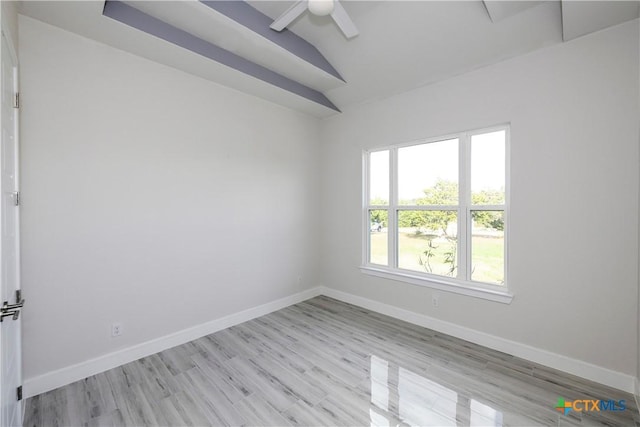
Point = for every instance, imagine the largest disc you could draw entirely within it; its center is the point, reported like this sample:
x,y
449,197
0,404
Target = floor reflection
x,y
398,394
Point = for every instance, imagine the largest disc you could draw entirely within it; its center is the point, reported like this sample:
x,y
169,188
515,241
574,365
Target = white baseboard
x,y
52,380
576,367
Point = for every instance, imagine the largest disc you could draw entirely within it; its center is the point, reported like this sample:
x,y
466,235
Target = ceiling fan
x,y
319,8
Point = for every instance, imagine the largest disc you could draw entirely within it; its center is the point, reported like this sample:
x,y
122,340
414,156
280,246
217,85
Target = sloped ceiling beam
x,y
246,15
132,17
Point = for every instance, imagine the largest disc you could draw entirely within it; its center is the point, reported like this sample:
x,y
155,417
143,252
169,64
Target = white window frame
x,y
464,286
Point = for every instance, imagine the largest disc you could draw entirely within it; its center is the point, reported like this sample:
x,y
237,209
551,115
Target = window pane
x,y
378,248
379,178
488,168
427,242
487,247
428,174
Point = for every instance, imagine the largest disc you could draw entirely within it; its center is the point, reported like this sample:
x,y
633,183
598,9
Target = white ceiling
x,y
406,44
85,18
402,44
499,9
584,17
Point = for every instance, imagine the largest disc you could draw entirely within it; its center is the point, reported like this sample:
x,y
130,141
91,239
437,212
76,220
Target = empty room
x,y
320,213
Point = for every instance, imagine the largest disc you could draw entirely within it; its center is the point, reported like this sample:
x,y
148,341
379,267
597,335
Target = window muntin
x,y
453,230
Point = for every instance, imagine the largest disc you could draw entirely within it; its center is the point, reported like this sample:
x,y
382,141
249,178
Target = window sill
x,y
469,288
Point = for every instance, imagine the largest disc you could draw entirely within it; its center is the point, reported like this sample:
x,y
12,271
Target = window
x,y
435,213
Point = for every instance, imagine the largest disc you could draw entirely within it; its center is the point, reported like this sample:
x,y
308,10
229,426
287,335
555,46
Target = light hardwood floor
x,y
323,362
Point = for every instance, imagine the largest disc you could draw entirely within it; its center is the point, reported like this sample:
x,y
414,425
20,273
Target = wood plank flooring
x,y
326,363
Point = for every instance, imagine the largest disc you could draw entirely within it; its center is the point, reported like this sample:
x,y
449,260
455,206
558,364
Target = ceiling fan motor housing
x,y
321,7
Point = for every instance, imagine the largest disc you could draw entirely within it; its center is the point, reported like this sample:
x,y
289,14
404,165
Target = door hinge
x,y
17,198
12,310
19,393
16,100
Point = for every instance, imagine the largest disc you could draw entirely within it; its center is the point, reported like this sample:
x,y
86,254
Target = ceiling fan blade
x,y
289,16
343,20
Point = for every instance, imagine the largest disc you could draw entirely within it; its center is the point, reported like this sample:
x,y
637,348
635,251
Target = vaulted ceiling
x,y
312,66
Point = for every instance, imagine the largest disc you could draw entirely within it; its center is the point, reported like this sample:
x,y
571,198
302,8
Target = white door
x,y
10,342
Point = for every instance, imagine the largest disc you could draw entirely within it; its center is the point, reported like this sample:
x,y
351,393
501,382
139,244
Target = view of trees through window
x,y
430,209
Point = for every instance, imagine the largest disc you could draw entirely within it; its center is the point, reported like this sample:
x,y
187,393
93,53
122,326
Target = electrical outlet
x,y
116,329
435,300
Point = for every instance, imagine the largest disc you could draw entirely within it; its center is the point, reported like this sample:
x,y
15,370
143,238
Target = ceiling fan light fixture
x,y
321,7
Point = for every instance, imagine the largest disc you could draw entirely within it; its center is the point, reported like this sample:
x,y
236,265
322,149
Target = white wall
x,y
10,21
573,110
153,198
116,148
